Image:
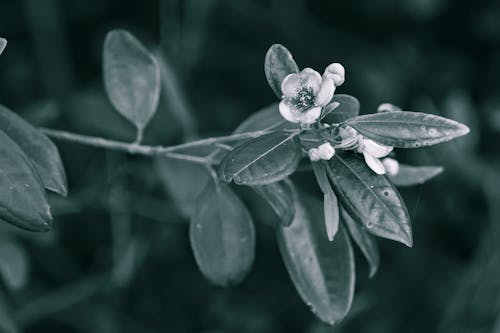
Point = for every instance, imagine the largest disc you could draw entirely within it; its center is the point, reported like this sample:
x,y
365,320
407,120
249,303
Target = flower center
x,y
304,99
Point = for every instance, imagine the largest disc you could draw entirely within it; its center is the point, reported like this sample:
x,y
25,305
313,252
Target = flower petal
x,y
325,93
310,116
374,163
375,149
288,112
311,79
291,84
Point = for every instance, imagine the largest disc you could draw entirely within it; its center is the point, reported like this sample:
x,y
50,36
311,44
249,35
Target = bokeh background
x,y
118,258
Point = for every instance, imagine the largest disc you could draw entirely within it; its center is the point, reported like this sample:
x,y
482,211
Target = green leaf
x,y
131,76
322,271
369,198
281,197
265,119
22,198
264,160
3,44
341,108
366,242
277,65
14,265
222,235
405,129
42,152
330,203
7,322
414,175
183,181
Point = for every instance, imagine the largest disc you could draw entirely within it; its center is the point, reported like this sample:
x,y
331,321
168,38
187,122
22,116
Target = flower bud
x,y
391,166
313,154
336,72
388,107
326,151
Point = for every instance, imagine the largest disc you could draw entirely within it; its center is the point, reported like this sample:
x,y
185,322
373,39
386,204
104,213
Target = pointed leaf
x,y
322,271
341,108
277,65
366,242
222,235
22,198
14,265
131,76
42,152
369,198
281,197
330,203
406,129
414,175
265,119
3,44
264,160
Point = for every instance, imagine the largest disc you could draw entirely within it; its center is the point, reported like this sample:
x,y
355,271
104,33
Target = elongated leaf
x,y
131,76
366,242
42,152
341,108
222,235
13,264
322,271
22,198
277,65
405,129
281,197
414,175
330,203
183,181
3,44
369,198
264,160
265,119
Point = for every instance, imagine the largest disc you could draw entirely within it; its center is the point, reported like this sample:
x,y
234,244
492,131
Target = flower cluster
x,y
324,151
307,92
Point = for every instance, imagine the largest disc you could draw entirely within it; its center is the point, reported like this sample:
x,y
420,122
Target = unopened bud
x,y
326,151
391,166
388,107
313,154
336,72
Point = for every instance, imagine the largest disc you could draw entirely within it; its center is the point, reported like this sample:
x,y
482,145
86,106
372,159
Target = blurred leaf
x,y
414,175
322,271
264,160
22,198
277,65
341,108
7,323
369,198
265,119
280,196
366,242
131,76
3,44
42,152
406,129
222,235
14,265
330,203
183,180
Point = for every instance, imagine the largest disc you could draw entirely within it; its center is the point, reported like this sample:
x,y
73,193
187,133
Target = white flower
x,y
326,151
391,166
372,151
305,93
314,154
388,107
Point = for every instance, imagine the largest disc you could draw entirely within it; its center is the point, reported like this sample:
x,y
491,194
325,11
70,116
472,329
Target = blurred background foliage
x,y
118,258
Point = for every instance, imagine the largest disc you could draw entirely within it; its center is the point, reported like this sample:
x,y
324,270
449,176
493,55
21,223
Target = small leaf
x,y
264,160
322,271
330,203
366,242
369,198
414,175
277,65
22,198
3,44
222,235
281,197
14,265
42,152
265,119
341,108
131,76
405,129
183,180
